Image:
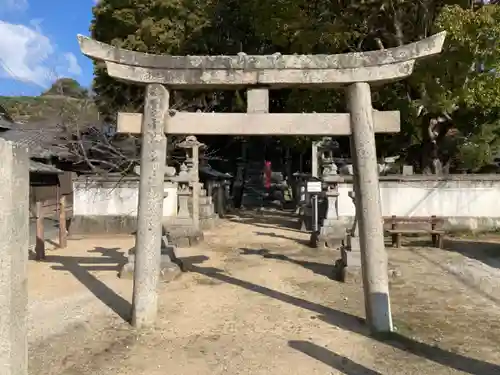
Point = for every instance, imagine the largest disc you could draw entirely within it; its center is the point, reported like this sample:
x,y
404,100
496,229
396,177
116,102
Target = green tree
x,y
463,85
448,107
459,86
154,26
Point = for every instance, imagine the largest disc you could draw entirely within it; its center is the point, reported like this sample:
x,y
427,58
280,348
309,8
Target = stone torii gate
x,y
354,71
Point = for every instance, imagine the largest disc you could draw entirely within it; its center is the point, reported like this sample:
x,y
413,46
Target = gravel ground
x,y
257,301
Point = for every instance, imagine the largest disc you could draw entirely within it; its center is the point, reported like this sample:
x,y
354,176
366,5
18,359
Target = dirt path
x,y
260,302
70,293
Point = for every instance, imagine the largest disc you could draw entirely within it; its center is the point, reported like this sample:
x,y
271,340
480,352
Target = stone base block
x,y
331,236
181,233
184,237
168,270
209,222
352,272
347,274
206,210
127,271
330,241
351,258
352,243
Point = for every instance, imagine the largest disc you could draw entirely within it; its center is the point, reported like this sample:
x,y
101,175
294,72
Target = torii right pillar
x,y
368,208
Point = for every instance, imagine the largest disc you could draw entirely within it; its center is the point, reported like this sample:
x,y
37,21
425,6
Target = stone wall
x,y
468,202
109,205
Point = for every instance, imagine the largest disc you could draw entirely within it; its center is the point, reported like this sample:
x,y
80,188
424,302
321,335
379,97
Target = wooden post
x,y
63,238
40,232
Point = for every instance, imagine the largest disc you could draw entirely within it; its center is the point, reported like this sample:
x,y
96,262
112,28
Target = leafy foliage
x,y
460,86
46,109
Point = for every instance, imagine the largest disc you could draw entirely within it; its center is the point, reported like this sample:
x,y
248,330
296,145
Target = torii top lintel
x,y
273,71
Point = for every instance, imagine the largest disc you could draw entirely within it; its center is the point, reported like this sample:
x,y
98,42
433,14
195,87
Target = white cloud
x,y
13,5
26,54
73,66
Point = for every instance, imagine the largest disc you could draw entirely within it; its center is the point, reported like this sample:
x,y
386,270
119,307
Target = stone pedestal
x,y
348,267
181,230
331,234
170,268
351,252
183,236
208,218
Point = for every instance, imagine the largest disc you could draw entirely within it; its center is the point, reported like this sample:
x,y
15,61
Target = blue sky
x,y
38,44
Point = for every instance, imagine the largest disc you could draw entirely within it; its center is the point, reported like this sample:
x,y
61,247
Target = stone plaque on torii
x,y
354,71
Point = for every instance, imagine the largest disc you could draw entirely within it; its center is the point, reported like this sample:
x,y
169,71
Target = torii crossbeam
x,y
249,124
353,71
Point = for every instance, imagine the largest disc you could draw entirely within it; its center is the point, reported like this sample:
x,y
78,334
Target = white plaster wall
x,y
116,201
440,198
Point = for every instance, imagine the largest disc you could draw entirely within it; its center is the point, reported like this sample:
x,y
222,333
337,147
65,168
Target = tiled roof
x,y
39,141
42,143
4,124
37,167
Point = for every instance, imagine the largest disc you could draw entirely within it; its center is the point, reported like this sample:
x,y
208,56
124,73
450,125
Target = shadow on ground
x,y
486,252
471,284
274,235
355,324
110,259
280,219
331,359
322,269
483,251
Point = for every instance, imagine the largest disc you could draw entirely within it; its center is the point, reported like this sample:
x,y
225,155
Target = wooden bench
x,y
406,225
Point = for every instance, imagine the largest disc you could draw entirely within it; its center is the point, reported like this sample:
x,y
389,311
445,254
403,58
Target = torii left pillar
x,y
150,210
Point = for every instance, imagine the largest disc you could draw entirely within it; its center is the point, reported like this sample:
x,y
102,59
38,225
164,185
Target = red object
x,y
267,174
